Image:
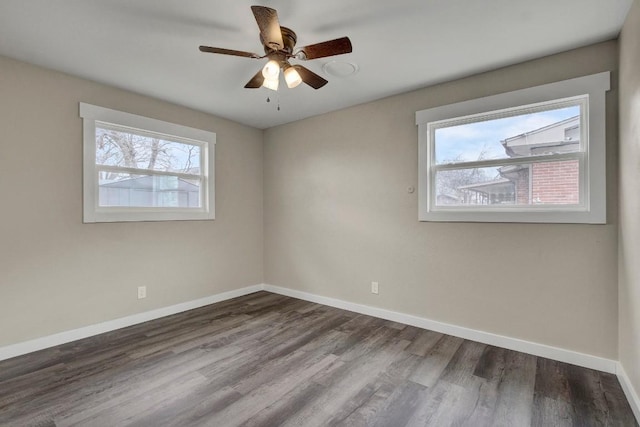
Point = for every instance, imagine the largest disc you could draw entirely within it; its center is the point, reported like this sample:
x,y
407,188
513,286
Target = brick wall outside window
x,y
555,182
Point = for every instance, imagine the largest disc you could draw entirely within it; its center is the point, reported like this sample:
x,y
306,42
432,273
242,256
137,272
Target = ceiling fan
x,y
279,43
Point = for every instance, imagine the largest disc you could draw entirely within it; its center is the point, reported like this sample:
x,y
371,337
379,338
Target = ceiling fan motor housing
x,y
289,38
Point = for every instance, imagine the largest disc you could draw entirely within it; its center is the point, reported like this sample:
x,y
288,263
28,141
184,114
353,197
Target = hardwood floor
x,y
269,360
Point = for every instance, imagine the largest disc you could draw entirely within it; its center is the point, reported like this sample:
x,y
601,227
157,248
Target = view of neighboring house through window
x,y
550,136
142,169
531,155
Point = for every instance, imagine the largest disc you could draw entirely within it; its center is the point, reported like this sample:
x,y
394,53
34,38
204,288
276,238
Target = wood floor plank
x,y
401,404
619,410
345,383
423,342
269,360
446,404
368,412
516,390
105,402
125,411
551,379
281,410
463,364
436,361
189,410
548,411
361,399
268,393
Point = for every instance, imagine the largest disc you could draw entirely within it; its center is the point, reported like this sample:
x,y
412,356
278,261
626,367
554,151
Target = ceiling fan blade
x,y
328,48
256,81
309,77
269,25
210,49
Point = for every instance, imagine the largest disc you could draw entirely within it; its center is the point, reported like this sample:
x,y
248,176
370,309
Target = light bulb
x,y
292,77
271,70
271,83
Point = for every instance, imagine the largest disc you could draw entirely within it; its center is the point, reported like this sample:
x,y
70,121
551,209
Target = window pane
x,y
123,189
544,183
532,134
131,150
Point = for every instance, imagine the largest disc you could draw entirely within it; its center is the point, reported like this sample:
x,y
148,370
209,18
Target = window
x,y
142,169
533,155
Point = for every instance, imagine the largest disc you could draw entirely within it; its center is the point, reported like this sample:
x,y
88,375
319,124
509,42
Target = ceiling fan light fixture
x,y
271,70
292,77
271,83
279,45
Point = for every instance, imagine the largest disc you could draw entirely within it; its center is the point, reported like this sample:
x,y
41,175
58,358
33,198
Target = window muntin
x,y
142,169
578,107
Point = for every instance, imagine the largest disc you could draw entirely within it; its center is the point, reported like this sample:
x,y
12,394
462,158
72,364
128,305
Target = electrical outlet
x,y
142,292
374,287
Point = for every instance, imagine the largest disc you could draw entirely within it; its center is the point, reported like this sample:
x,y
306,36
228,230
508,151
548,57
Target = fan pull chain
x,y
277,100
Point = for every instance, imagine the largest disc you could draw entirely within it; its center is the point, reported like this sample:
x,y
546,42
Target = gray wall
x,y
338,216
57,273
629,240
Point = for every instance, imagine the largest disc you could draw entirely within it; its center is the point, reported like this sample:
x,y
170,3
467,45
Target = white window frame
x,y
95,213
592,209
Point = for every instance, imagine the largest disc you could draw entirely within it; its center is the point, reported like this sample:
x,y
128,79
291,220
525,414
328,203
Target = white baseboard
x,y
629,391
25,347
536,349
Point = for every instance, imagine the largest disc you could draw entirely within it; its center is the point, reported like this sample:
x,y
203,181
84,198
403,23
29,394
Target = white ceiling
x,y
151,46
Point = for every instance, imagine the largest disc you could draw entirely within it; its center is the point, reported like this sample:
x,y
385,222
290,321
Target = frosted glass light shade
x,y
292,77
271,83
271,70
